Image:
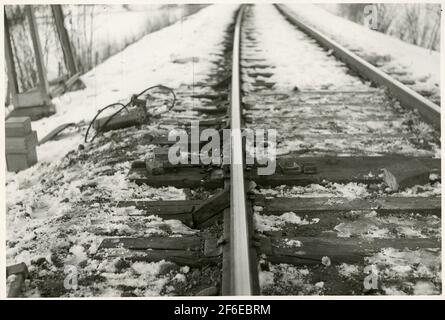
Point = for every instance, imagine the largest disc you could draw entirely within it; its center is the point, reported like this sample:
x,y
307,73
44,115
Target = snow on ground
x,y
368,224
350,190
38,198
399,272
430,190
58,213
148,62
415,272
322,107
348,270
293,54
273,223
392,55
287,279
111,27
105,28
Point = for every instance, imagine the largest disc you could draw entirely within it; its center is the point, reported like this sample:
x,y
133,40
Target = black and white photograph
x,y
222,150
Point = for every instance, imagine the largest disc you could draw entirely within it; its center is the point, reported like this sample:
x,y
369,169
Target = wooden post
x,y
41,70
12,74
8,94
64,39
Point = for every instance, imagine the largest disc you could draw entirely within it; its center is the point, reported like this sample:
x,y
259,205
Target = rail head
x,y
241,278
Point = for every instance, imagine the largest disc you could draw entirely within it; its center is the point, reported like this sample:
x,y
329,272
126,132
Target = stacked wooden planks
x,y
21,144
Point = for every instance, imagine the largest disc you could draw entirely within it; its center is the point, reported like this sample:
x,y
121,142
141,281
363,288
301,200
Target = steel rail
x,y
241,278
407,97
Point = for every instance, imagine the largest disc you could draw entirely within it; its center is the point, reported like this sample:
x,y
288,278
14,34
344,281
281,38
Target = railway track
x,y
334,212
336,207
331,244
353,206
